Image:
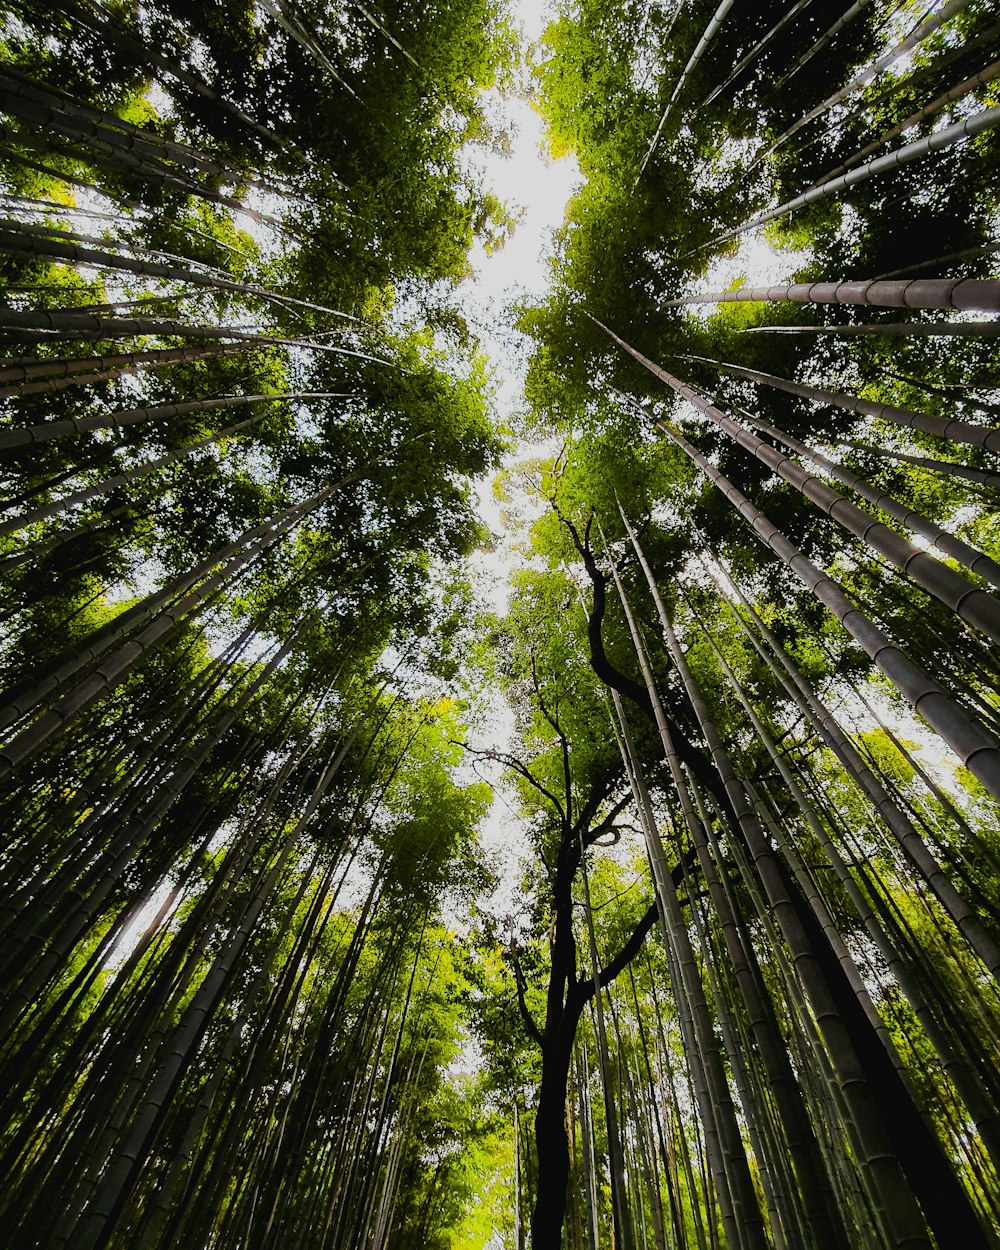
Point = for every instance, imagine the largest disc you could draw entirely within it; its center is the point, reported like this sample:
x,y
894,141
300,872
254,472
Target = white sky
x,y
529,181
537,187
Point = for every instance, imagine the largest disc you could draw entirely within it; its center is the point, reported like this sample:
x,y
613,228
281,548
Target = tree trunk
x,y
973,605
926,28
551,1141
942,427
963,293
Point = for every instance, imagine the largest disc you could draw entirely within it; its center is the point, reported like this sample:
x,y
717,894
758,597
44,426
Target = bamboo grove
x,y
237,486
255,991
756,649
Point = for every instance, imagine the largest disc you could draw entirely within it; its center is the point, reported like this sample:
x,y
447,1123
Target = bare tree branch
x,y
699,763
634,942
515,765
534,1032
607,825
624,957
563,740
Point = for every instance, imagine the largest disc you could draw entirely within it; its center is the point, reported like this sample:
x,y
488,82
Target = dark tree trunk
x,y
551,1140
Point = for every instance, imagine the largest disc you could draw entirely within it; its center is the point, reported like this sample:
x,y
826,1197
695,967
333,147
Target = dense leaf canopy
x,y
728,976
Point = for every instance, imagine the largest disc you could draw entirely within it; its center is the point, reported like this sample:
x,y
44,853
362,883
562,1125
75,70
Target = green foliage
x,y
254,991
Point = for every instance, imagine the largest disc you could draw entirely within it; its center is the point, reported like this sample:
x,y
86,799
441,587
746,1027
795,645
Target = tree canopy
x,y
730,980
